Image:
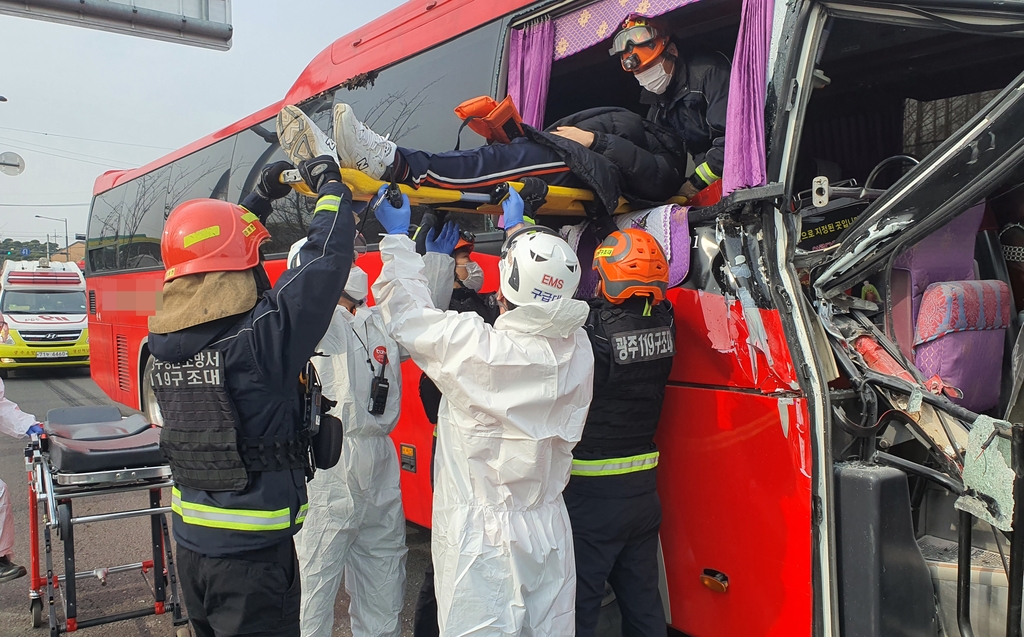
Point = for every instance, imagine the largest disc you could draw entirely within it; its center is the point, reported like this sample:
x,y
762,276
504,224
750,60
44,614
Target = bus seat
x,y
942,256
961,331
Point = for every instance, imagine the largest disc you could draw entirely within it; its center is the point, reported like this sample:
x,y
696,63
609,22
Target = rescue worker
x,y
229,351
612,497
611,151
515,400
17,424
355,523
466,297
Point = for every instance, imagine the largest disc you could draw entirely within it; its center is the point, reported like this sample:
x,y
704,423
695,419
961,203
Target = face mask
x,y
655,79
358,285
474,276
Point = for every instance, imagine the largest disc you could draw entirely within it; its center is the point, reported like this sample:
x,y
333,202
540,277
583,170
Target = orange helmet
x,y
210,235
631,262
466,240
639,42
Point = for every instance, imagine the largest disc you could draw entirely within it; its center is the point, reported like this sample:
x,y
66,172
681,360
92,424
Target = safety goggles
x,y
628,39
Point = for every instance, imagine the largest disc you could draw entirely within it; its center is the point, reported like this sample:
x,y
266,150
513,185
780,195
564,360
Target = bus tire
x,y
147,398
5,373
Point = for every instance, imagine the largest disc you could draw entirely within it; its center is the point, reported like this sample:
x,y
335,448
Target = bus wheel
x,y
148,397
5,373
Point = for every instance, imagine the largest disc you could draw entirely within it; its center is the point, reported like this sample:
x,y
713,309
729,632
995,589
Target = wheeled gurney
x,y
87,452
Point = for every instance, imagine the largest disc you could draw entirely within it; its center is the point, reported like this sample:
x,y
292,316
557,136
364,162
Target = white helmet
x,y
537,266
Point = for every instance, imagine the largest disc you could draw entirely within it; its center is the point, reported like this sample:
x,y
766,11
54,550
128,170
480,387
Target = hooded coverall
x,y
515,398
13,422
355,522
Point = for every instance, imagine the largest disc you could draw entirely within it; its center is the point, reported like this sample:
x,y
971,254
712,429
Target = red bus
x,y
809,458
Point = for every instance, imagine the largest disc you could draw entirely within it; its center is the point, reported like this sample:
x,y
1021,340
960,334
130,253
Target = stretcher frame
x,y
57,491
561,201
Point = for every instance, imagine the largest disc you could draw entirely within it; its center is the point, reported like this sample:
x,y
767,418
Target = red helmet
x,y
210,235
631,262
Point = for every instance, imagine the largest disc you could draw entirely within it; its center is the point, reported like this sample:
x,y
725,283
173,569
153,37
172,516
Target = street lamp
x,y
67,254
2,98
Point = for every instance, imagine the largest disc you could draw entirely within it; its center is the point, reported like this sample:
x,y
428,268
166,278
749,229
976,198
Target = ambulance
x,y
44,306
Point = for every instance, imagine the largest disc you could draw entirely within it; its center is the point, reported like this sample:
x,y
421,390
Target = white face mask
x,y
358,285
655,79
474,276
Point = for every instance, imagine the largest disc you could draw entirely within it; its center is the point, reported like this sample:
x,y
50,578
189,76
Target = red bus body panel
x,y
735,468
734,476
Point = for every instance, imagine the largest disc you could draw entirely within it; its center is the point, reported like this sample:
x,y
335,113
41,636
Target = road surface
x,y
120,542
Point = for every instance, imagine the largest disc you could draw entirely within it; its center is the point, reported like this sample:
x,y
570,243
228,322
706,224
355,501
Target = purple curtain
x,y
529,70
598,21
745,162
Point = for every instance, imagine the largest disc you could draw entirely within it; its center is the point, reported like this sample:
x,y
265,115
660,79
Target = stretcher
x,y
86,452
560,200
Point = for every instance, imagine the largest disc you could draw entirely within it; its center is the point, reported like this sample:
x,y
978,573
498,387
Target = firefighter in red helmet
x,y
229,352
612,495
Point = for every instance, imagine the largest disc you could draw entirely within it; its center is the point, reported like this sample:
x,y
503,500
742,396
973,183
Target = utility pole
x,y
67,255
47,247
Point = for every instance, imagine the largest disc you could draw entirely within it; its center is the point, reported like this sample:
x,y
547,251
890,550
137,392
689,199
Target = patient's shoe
x,y
358,146
300,138
9,570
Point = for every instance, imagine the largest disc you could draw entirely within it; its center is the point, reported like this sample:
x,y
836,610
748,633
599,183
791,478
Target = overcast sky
x,y
149,96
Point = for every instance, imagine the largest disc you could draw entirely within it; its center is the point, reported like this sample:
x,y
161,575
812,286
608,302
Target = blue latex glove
x,y
34,430
394,220
513,207
444,241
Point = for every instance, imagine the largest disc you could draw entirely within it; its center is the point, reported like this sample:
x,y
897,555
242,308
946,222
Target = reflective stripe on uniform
x,y
330,203
706,174
233,519
301,517
615,466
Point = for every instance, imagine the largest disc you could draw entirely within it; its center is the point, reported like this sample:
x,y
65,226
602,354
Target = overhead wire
x,y
43,205
86,139
56,152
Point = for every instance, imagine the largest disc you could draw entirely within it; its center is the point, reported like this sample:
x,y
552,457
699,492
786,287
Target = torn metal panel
x,y
988,476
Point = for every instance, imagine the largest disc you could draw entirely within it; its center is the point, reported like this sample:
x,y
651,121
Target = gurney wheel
x,y
183,632
37,612
63,519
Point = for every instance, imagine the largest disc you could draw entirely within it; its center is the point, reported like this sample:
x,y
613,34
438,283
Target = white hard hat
x,y
293,252
537,267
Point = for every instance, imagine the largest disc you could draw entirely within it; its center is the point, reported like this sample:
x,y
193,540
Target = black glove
x,y
534,194
269,185
317,172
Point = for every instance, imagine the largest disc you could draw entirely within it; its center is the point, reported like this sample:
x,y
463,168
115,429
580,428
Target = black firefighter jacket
x,y
264,351
644,160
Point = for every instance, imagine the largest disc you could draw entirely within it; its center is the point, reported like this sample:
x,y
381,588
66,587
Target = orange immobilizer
x,y
494,121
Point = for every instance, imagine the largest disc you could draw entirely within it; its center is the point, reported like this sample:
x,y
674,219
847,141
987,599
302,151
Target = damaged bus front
x,y
894,252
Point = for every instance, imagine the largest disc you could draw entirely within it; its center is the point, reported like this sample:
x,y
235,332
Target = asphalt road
x,y
104,544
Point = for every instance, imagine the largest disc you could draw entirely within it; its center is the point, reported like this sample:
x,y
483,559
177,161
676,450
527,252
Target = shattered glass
x,y
988,476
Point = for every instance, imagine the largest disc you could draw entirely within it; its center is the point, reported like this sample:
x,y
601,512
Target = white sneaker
x,y
358,146
300,138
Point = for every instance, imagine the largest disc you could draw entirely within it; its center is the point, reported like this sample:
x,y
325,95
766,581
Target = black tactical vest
x,y
200,436
632,360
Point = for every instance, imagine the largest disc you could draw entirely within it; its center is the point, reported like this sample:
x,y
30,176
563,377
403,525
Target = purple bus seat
x,y
961,329
668,224
944,255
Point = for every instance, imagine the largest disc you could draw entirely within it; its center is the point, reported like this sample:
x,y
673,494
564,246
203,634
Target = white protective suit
x,y
515,401
13,422
355,522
